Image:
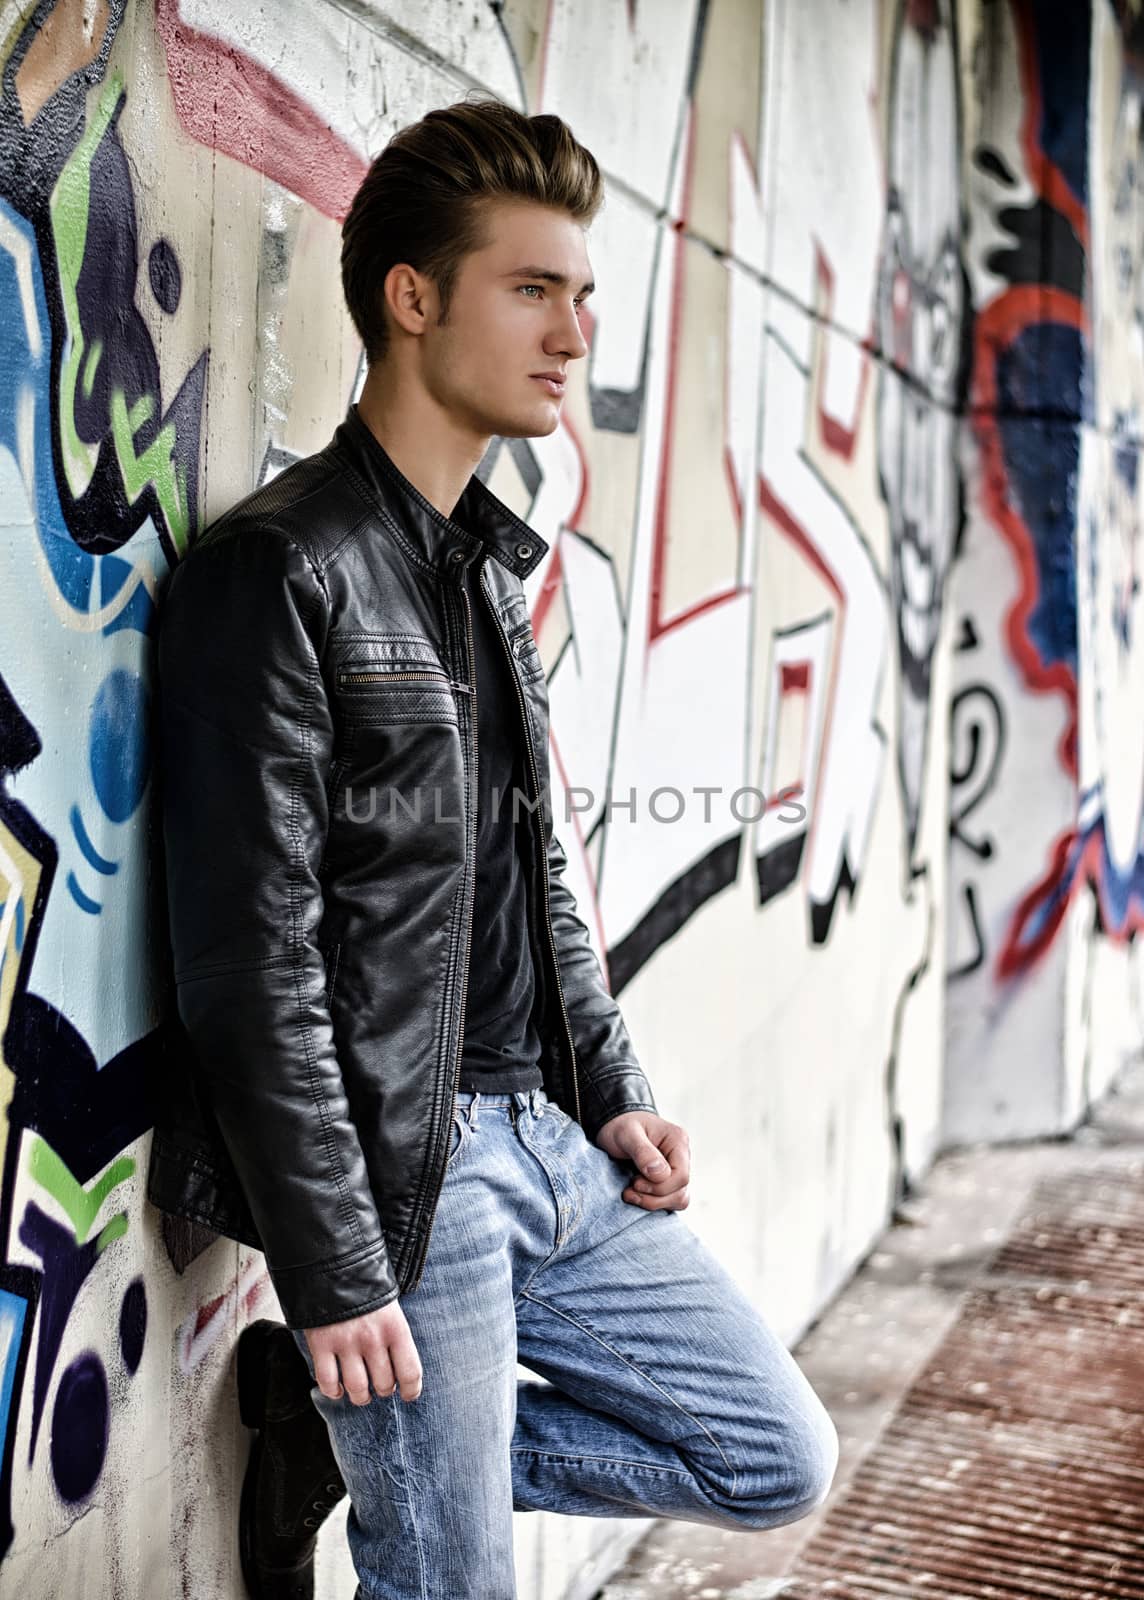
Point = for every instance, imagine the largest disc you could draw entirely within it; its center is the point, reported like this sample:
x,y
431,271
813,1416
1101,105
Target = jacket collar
x,y
479,517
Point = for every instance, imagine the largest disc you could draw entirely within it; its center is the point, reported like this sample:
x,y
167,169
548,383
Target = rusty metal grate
x,y
1014,1467
1083,1229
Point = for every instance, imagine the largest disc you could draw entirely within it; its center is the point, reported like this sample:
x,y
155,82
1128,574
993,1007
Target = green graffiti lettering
x,y
68,208
115,1229
81,1205
90,366
156,466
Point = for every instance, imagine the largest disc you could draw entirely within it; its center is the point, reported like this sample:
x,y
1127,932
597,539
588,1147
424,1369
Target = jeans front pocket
x,y
459,1135
557,1113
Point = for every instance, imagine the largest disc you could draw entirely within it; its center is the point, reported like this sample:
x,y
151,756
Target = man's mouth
x,y
553,383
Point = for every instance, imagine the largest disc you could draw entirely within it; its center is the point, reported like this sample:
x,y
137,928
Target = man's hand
x,y
377,1348
660,1150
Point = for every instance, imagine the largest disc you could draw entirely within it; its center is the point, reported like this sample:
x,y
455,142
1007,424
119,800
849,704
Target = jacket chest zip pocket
x,y
394,678
522,643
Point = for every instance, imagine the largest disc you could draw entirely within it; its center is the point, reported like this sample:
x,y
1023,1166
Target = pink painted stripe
x,y
228,101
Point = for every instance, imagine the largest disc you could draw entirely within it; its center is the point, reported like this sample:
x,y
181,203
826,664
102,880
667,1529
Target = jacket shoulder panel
x,y
286,505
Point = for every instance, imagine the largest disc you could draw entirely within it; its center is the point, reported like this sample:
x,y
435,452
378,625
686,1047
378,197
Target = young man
x,y
407,1081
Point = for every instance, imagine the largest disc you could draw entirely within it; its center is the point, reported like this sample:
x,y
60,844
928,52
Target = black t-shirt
x,y
501,1048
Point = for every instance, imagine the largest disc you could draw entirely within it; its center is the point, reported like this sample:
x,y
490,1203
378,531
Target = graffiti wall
x,y
1046,746
1013,727
839,618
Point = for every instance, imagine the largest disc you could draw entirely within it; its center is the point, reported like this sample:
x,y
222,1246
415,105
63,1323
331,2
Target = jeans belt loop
x,y
473,1104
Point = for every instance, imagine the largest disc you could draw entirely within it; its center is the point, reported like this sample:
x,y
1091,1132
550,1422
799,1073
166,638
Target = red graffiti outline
x,y
1048,179
574,822
796,679
658,624
837,437
728,460
788,524
554,574
998,325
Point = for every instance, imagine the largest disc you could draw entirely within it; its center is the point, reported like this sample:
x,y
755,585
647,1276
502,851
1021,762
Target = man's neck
x,y
435,453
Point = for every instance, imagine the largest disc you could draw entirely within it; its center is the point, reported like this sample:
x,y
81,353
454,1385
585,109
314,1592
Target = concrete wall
x,y
844,509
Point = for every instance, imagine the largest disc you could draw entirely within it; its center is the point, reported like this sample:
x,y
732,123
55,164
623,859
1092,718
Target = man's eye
x,y
525,287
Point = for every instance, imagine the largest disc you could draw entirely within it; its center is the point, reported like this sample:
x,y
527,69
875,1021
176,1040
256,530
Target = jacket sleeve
x,y
246,735
611,1079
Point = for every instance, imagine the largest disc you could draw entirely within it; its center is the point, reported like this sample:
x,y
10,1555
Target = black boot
x,y
292,1481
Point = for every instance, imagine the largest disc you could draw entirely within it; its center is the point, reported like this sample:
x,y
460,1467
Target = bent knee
x,y
794,1477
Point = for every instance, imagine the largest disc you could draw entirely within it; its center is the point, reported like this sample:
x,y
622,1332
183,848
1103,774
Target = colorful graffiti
x,y
844,560
1016,664
1031,345
99,490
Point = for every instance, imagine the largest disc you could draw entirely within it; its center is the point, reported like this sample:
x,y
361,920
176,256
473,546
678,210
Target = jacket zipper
x,y
470,689
542,855
345,678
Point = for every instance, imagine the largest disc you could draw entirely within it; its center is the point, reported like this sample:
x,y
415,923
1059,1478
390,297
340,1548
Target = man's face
x,y
507,322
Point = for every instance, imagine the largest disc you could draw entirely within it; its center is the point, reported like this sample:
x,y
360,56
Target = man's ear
x,y
410,298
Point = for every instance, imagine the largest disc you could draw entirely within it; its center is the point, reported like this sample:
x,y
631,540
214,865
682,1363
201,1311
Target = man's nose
x,y
569,337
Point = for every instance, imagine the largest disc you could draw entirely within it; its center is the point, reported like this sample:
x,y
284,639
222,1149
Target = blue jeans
x,y
667,1395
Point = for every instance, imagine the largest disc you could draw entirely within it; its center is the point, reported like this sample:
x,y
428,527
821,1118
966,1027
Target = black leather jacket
x,y
315,655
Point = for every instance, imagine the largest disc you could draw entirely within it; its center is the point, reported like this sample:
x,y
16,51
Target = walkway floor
x,y
985,1369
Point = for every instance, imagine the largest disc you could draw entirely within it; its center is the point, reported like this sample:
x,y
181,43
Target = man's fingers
x,y
669,1185
396,1365
326,1373
407,1366
676,1148
669,1192
650,1161
679,1201
380,1372
374,1349
355,1378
